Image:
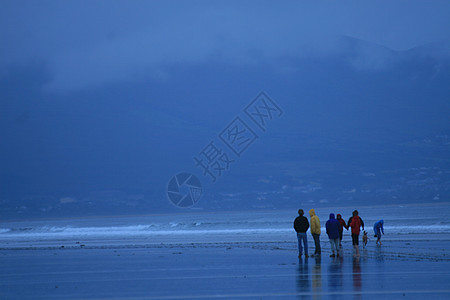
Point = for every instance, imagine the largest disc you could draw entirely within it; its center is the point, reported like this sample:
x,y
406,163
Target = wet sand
x,y
229,269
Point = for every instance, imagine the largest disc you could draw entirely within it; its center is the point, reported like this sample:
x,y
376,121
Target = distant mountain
x,y
363,124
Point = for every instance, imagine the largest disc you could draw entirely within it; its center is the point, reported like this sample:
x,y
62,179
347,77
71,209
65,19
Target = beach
x,y
191,263
224,270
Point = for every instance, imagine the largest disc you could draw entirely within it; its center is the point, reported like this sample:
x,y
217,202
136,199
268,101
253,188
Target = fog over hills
x,y
366,125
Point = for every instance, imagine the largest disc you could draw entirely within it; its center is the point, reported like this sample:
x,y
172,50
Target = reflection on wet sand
x,y
379,253
341,277
317,278
303,280
380,266
335,274
357,280
306,280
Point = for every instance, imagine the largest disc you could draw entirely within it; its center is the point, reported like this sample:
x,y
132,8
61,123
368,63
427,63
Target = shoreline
x,y
219,270
413,249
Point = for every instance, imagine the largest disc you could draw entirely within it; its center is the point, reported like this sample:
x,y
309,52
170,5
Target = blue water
x,y
399,221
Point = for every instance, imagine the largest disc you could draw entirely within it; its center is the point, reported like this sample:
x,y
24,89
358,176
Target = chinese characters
x,y
217,157
237,137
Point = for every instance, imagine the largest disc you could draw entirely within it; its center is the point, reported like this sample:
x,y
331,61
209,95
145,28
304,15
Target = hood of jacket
x,y
312,212
339,216
331,216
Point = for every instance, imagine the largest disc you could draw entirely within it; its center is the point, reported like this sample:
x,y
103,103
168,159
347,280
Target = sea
x,y
401,222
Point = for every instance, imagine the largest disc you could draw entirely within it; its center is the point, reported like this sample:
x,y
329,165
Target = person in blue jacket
x,y
332,226
378,229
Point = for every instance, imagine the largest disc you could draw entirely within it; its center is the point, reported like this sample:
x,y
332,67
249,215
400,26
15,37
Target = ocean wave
x,y
397,222
141,230
195,228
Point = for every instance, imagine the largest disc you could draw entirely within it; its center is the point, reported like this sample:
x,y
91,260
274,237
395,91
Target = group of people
x,y
334,228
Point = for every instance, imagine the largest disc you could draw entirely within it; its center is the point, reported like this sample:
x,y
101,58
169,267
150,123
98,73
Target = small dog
x,y
365,239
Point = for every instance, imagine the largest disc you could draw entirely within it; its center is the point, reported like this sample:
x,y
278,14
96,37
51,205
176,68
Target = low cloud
x,y
88,44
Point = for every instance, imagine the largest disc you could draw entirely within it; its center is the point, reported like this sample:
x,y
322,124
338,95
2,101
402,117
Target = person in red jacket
x,y
355,224
342,225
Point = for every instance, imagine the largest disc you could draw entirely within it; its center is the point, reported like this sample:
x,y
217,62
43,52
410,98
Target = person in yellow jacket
x,y
315,231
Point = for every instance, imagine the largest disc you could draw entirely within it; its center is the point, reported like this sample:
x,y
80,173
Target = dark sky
x,y
89,43
120,95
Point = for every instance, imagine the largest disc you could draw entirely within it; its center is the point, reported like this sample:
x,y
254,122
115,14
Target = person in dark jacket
x,y
301,225
341,228
332,227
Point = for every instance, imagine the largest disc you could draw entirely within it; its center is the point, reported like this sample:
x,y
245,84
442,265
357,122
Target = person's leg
x,y
316,243
338,248
305,243
319,250
355,243
379,237
299,239
340,238
332,247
